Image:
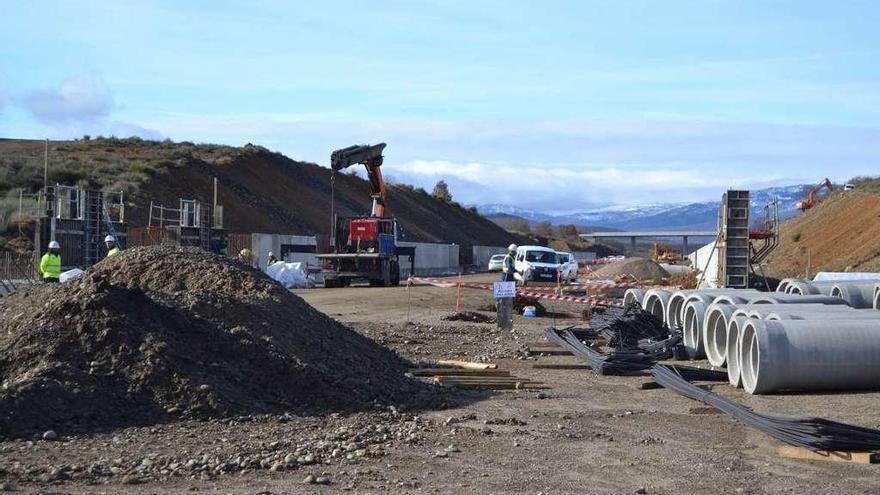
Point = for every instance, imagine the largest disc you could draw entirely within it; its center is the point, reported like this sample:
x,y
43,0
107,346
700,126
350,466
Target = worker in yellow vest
x,y
50,264
112,249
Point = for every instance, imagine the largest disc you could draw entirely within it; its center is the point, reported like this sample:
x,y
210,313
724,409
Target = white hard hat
x,y
512,247
109,238
271,253
54,245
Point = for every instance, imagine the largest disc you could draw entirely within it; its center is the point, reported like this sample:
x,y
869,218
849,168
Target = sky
x,y
553,105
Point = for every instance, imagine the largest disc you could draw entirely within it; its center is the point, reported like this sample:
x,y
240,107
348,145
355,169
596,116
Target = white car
x,y
568,266
496,262
536,264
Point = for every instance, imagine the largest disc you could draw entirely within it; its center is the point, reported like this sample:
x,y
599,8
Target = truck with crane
x,y
364,247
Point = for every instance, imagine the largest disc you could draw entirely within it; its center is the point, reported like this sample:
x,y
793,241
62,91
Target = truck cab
x,y
536,264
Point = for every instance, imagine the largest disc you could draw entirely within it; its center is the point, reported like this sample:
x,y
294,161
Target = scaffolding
x,y
192,223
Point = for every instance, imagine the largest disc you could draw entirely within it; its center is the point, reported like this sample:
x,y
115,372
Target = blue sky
x,y
536,103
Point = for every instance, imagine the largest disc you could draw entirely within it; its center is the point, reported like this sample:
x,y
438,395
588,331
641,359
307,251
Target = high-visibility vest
x,y
504,265
50,265
113,252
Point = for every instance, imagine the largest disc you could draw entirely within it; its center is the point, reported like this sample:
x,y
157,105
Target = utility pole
x,y
46,166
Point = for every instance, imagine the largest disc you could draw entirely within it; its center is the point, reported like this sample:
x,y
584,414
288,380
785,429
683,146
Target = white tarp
x,y
290,275
70,275
843,276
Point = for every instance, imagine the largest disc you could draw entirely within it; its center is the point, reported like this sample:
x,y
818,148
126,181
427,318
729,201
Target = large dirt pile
x,y
841,233
159,333
639,268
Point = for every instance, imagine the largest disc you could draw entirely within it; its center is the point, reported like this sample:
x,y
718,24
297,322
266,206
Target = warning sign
x,y
504,290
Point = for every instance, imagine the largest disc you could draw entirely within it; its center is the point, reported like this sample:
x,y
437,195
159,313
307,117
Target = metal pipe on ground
x,y
810,355
633,296
859,295
795,299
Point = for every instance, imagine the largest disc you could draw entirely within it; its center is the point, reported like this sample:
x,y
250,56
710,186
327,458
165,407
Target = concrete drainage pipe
x,y
633,296
795,299
760,311
810,355
655,302
877,296
857,295
692,334
784,283
715,324
708,296
801,289
675,307
734,330
853,314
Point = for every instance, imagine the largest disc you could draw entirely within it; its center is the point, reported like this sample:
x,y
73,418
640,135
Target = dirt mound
x,y
471,316
838,234
639,268
160,333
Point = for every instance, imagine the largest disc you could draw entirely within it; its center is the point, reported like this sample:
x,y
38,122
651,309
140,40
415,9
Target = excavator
x,y
812,197
664,253
364,247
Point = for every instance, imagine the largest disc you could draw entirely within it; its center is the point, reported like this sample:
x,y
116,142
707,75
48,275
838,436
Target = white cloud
x,y
76,99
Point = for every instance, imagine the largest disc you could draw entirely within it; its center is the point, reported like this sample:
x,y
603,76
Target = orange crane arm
x,y
371,158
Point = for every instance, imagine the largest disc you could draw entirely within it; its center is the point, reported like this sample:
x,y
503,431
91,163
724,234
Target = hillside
x,y
841,233
261,191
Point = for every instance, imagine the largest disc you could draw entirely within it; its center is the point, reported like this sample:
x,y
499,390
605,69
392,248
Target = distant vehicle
x,y
495,262
849,186
536,264
568,266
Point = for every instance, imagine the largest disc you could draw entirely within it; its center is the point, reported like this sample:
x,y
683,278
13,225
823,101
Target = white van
x,y
568,266
536,264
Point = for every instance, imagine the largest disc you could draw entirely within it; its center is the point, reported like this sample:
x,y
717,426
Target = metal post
x,y
46,166
684,248
504,316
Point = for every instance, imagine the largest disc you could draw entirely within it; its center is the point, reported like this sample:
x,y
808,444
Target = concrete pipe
x,y
810,355
633,296
784,283
795,299
715,324
760,311
674,308
692,333
801,289
655,302
708,296
734,330
877,296
852,314
856,294
732,299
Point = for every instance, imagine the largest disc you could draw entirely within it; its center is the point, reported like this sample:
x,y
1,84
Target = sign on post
x,y
504,290
504,294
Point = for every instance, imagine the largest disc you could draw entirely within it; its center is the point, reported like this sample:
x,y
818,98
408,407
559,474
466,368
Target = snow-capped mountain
x,y
694,216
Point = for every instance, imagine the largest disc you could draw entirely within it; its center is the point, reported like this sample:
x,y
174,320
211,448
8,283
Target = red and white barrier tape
x,y
598,301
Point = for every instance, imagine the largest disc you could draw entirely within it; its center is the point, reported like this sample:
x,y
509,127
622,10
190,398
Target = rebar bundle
x,y
809,433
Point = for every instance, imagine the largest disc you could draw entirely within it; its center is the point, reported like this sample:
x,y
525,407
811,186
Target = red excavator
x,y
364,247
812,197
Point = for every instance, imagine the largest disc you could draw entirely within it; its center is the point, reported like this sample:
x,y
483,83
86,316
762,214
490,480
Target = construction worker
x,y
272,259
245,255
50,264
508,266
112,249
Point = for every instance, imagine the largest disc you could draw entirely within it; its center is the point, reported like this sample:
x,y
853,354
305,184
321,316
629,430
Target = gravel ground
x,y
582,434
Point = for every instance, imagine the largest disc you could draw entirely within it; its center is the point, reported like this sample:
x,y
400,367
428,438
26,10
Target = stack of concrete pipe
x,y
780,340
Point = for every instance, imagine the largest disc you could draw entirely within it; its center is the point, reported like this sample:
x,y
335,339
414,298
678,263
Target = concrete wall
x,y
706,259
483,253
261,244
584,255
431,259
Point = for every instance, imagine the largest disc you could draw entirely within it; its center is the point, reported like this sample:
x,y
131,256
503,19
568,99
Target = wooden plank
x,y
487,379
457,372
550,351
649,386
495,386
466,364
561,366
793,452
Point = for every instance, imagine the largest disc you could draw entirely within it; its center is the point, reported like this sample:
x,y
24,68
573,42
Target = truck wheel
x,y
332,283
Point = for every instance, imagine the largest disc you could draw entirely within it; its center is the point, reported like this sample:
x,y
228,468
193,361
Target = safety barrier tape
x,y
597,301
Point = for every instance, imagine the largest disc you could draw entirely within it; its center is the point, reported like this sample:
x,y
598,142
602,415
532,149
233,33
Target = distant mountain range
x,y
686,216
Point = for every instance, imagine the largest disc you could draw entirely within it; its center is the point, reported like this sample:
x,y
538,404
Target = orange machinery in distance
x,y
664,253
813,196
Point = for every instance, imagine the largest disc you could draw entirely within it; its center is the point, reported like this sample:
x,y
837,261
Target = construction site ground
x,y
580,434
